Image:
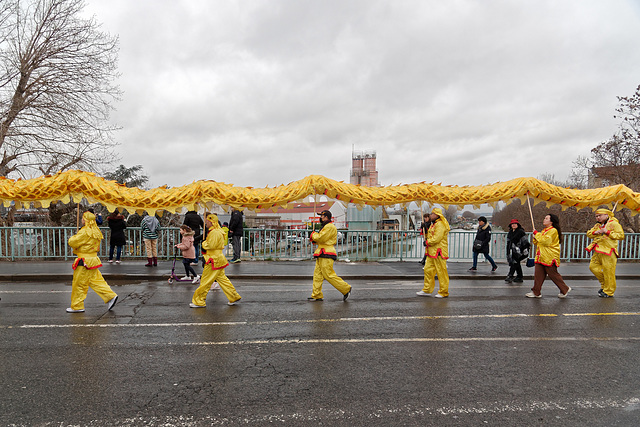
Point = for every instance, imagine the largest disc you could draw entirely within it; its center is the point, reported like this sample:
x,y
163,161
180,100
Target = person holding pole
x,y
437,256
547,257
325,254
85,245
606,234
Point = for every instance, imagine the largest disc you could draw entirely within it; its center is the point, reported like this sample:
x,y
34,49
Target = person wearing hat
x,y
214,265
517,249
604,250
325,255
86,244
437,251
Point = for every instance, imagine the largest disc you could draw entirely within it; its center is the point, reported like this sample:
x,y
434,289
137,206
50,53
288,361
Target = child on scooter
x,y
188,252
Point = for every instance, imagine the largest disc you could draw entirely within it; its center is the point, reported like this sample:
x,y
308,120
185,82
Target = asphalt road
x,y
484,356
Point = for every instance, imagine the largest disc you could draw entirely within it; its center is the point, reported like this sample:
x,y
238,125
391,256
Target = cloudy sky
x,y
465,92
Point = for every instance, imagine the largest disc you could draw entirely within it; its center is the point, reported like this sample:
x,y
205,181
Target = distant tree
x,y
131,177
468,215
451,213
620,154
56,88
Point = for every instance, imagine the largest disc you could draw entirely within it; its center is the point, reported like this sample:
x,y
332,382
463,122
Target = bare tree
x,y
56,88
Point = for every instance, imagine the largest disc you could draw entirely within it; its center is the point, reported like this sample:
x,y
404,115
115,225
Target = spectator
x,y
117,225
481,244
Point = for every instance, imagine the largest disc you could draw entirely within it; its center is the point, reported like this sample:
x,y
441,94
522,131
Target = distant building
x,y
296,217
363,168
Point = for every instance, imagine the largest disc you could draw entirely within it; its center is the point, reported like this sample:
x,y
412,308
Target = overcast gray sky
x,y
464,92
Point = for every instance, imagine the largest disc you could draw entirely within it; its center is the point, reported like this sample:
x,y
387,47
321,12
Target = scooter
x,y
174,277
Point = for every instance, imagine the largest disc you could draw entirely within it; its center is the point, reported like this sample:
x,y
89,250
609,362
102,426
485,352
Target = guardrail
x,y
51,243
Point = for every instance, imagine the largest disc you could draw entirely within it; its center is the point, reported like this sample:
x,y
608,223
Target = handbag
x,y
477,245
531,262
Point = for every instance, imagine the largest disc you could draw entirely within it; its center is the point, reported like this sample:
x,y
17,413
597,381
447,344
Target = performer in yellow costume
x,y
604,250
437,251
214,265
86,244
325,254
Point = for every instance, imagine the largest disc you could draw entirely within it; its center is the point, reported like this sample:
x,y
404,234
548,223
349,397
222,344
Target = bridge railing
x,y
50,243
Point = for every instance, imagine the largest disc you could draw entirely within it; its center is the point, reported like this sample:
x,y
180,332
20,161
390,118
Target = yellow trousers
x,y
208,277
433,267
324,271
83,278
604,268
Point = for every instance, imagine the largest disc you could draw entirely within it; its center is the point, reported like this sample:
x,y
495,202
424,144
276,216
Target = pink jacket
x,y
186,246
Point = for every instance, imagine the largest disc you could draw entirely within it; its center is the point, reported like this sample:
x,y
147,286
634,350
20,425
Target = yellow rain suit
x,y
437,255
547,243
325,254
214,266
604,251
85,245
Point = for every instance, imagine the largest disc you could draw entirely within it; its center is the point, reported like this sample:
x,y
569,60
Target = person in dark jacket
x,y
117,225
481,244
195,222
235,232
517,250
424,229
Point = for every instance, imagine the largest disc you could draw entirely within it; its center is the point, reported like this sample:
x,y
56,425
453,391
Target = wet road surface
x,y
484,356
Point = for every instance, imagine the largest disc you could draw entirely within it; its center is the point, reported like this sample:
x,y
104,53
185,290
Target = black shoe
x,y
508,279
495,267
472,269
602,294
345,296
314,299
518,280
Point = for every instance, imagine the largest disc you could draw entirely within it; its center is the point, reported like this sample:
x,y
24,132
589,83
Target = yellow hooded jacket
x,y
547,242
607,243
213,245
326,239
86,243
437,237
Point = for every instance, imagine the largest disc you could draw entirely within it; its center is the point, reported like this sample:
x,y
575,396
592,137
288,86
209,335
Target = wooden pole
x,y
77,217
530,212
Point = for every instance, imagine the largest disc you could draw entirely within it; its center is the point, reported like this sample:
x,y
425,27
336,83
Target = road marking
x,y
301,321
401,340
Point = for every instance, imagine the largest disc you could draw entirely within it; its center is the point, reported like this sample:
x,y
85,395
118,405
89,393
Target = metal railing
x,y
51,243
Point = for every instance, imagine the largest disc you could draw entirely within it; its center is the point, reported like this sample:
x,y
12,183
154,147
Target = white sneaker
x,y
196,279
110,261
186,278
234,302
215,286
192,305
422,294
440,296
71,310
561,295
532,295
118,262
112,302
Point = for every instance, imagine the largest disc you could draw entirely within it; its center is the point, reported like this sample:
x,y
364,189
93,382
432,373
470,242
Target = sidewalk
x,y
56,271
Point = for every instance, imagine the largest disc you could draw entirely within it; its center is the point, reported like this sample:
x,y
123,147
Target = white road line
x,y
414,412
402,340
301,321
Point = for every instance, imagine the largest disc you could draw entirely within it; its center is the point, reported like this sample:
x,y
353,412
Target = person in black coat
x,y
517,250
195,222
118,239
235,232
481,244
